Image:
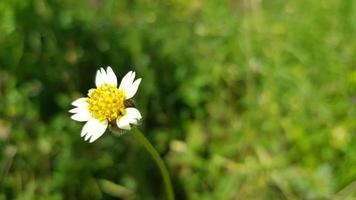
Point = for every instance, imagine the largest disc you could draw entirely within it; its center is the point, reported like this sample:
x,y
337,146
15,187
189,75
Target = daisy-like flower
x,y
107,105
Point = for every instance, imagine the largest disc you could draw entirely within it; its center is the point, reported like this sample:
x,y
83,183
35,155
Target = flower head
x,y
107,105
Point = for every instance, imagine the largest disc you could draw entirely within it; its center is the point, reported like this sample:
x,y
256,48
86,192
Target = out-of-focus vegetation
x,y
243,99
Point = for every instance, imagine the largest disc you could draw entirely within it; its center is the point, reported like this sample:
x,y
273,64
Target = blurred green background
x,y
244,99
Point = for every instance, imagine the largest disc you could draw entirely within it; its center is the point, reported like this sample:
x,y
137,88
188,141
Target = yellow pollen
x,y
106,103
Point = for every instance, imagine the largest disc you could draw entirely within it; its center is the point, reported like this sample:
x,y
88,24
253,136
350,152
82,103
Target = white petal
x,y
81,107
129,85
74,110
103,72
132,116
81,110
87,136
100,130
104,75
133,113
81,116
127,80
123,123
87,127
79,101
111,77
100,77
131,91
93,129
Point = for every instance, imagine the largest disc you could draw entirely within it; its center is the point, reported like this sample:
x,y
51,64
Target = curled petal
x,y
132,116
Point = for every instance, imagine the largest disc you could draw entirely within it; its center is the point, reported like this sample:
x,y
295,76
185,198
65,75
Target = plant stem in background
x,y
166,178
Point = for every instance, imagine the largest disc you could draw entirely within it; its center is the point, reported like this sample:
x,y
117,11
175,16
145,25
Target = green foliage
x,y
243,99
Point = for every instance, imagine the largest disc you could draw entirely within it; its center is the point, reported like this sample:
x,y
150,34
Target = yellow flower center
x,y
106,103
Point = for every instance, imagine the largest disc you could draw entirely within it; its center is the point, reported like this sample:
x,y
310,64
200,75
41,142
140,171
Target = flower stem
x,y
166,178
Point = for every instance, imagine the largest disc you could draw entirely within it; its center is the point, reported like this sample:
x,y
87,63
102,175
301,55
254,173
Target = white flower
x,y
106,105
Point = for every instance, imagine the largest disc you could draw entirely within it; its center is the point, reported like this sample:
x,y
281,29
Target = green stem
x,y
166,179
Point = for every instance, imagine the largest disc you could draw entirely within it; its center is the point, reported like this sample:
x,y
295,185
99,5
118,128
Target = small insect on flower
x,y
107,105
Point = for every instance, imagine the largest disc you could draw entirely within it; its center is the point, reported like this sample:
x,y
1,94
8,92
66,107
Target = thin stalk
x,y
164,172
